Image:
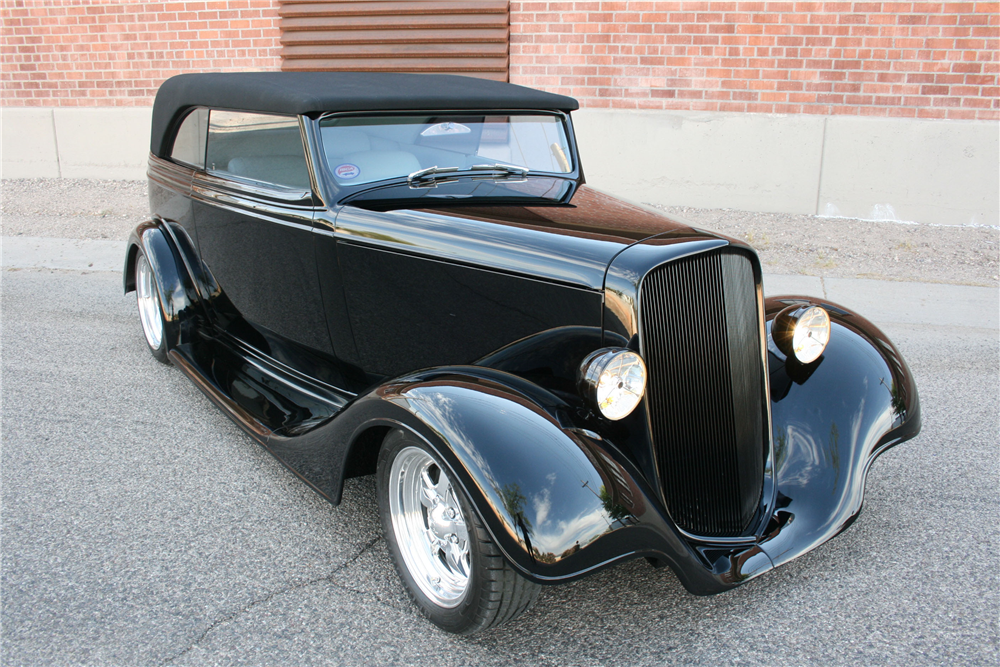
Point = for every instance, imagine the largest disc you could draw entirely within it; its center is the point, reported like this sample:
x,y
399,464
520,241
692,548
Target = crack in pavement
x,y
270,596
378,599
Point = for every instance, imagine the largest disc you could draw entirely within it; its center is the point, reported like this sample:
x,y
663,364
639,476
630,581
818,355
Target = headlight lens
x,y
802,331
615,380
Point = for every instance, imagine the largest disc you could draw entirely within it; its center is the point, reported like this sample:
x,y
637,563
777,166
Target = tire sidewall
x,y
159,353
466,617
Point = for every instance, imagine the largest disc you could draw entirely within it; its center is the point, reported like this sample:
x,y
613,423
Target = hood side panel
x,y
571,244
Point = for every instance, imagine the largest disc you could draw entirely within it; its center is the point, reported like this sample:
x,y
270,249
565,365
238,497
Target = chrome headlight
x,y
614,379
802,331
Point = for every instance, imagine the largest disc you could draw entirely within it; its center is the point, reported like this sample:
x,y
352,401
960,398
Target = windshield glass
x,y
365,149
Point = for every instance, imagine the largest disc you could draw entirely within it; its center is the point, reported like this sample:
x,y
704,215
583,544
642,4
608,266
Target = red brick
x,y
934,90
709,56
976,80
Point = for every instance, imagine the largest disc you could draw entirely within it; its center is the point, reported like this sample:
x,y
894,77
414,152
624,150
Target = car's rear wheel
x,y
450,565
150,307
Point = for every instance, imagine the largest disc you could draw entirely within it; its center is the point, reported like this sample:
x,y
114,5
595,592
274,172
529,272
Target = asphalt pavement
x,y
141,527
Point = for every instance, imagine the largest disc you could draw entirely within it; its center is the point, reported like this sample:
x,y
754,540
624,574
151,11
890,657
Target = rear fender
x,y
179,296
830,419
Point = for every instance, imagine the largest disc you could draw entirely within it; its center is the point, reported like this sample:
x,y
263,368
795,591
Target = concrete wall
x,y
944,172
75,142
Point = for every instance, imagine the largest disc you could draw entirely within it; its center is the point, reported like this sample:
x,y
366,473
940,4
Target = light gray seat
x,y
289,170
338,142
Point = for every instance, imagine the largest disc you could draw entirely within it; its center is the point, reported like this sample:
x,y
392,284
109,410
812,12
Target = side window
x,y
189,144
256,146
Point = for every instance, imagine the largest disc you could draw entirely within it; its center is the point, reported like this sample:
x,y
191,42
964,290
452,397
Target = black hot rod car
x,y
405,275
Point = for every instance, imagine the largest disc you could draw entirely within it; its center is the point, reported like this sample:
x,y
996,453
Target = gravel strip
x,y
852,248
787,244
73,208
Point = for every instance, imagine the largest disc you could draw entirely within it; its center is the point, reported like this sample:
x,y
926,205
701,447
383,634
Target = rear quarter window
x,y
257,147
189,144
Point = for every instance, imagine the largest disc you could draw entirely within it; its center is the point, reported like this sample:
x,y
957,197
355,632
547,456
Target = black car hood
x,y
572,242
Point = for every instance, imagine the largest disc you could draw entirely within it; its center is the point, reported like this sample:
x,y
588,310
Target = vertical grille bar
x,y
701,341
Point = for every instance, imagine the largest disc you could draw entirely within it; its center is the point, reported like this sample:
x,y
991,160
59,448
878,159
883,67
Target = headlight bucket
x,y
802,332
614,380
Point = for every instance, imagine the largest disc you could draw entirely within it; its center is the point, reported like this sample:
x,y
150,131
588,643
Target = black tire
x,y
150,307
495,592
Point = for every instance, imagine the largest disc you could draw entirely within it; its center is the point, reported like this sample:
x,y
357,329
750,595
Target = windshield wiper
x,y
499,167
429,177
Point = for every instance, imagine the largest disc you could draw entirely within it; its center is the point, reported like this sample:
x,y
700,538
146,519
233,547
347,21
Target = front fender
x,y
559,500
830,419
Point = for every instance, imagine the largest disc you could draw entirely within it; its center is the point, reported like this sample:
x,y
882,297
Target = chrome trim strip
x,y
268,214
254,201
286,195
770,474
311,148
169,175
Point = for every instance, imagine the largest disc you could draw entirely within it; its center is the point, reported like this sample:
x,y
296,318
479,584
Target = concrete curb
x,y
883,302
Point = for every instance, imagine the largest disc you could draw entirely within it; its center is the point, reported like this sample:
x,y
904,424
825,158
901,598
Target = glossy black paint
x,y
170,194
408,312
622,328
532,290
560,501
605,509
259,245
624,275
551,244
180,300
831,419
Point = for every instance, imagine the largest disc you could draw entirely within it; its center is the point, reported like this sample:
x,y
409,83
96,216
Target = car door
x,y
254,213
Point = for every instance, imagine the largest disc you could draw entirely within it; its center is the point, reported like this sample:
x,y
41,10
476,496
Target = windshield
x,y
365,149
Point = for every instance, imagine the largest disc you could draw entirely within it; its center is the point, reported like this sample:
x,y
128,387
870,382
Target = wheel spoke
x,y
433,543
455,557
428,491
443,489
462,531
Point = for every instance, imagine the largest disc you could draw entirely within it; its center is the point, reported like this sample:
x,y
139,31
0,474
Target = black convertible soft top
x,y
310,92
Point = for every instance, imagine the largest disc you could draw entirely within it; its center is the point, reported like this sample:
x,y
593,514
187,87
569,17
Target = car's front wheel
x,y
450,565
147,297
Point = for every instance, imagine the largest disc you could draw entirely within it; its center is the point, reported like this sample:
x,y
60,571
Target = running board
x,y
299,412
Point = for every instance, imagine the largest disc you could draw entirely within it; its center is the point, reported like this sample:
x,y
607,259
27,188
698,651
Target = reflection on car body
x,y
406,275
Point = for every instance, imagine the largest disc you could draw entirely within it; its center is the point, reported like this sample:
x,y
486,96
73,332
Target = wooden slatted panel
x,y
468,37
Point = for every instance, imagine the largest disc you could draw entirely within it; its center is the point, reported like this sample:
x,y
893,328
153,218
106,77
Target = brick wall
x,y
922,60
100,53
917,60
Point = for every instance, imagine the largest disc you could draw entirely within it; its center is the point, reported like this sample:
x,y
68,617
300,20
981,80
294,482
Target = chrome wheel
x,y
149,303
429,526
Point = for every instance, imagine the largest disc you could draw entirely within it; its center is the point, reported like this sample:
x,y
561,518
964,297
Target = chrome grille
x,y
700,338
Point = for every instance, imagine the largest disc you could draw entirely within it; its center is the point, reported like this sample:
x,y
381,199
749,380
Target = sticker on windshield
x,y
347,171
445,128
